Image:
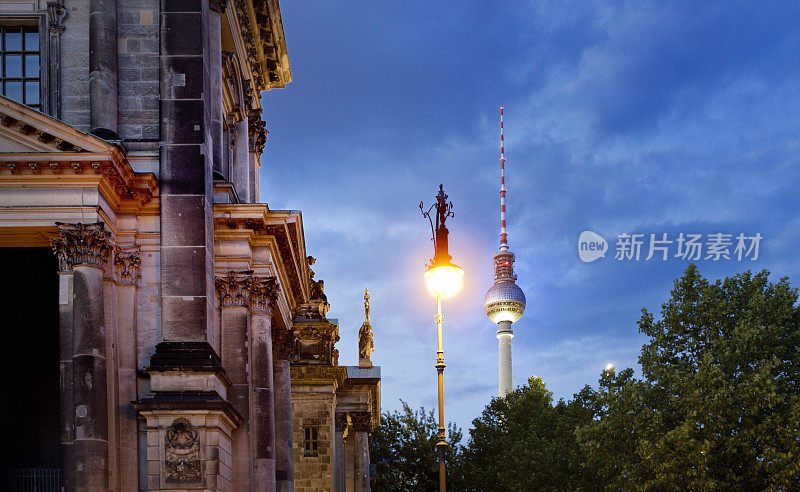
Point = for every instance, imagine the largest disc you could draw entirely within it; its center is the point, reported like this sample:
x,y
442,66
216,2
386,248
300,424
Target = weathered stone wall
x,y
75,65
137,60
313,473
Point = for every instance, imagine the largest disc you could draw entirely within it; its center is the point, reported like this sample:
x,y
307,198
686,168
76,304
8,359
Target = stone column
x,y
103,68
362,425
241,161
235,343
126,269
339,478
83,248
283,352
214,108
262,300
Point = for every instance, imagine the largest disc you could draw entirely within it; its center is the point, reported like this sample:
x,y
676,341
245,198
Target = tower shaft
x,y
504,336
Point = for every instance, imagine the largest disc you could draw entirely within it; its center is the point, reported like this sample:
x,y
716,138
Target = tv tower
x,y
505,301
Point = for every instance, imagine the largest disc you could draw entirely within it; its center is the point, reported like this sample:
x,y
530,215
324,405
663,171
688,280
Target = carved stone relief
x,y
182,453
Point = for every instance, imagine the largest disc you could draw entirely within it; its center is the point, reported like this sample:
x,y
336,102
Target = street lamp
x,y
444,279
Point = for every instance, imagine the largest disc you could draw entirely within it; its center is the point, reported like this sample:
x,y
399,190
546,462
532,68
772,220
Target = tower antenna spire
x,y
503,233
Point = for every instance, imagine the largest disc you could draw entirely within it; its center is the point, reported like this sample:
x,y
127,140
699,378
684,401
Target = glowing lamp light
x,y
444,279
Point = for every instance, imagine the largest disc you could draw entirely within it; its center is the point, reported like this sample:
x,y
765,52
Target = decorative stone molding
x,y
218,6
284,344
233,289
319,374
57,13
41,134
257,128
263,294
362,421
182,453
247,93
81,244
126,265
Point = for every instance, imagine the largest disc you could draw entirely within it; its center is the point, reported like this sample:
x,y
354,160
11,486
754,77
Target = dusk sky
x,y
621,118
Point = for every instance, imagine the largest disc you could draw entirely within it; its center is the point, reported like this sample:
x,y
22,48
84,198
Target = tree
x,y
403,449
523,442
718,406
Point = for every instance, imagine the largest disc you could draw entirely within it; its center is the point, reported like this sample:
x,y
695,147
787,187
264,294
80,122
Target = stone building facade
x,y
166,331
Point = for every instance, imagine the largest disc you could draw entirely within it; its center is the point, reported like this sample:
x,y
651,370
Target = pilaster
x,y
233,292
284,348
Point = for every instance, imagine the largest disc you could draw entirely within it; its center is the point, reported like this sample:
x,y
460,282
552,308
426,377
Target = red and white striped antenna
x,y
503,233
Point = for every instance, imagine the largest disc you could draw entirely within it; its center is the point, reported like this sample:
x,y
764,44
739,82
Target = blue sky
x,y
621,117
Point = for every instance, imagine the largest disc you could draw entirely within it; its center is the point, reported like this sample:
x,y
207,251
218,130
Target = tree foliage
x,y
403,449
717,407
524,442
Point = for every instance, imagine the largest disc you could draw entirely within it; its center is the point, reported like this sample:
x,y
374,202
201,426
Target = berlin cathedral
x,y
163,329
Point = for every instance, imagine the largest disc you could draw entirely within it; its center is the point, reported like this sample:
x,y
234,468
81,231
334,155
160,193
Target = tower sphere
x,y
504,301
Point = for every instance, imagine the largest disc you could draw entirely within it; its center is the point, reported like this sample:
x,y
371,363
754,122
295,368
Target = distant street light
x,y
444,279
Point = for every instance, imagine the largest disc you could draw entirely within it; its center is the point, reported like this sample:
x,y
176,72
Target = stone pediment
x,y
25,130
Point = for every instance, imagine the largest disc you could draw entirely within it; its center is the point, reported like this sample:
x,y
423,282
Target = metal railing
x,y
31,480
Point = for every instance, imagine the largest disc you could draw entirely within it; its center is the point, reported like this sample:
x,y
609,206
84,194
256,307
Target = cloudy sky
x,y
621,118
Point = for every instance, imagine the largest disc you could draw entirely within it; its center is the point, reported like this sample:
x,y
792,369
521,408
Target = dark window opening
x,y
310,441
20,77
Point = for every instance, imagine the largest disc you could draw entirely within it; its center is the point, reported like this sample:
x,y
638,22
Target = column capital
x,y
233,289
126,265
81,244
263,293
362,421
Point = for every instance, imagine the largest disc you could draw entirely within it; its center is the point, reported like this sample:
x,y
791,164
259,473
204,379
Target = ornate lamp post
x,y
444,279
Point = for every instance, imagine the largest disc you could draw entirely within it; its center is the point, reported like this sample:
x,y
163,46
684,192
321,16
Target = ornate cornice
x,y
362,421
126,265
81,244
57,144
262,33
127,185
